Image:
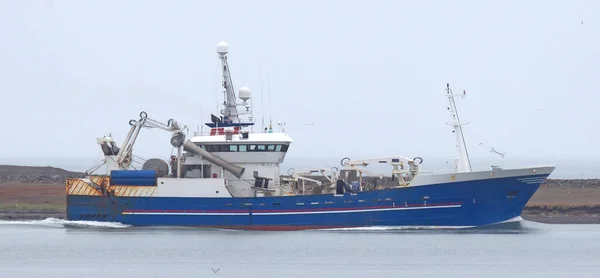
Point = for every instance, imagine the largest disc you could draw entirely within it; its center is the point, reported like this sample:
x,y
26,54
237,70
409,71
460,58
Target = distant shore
x,y
563,215
37,193
31,215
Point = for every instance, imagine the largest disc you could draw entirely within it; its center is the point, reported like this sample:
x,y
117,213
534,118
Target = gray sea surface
x,y
59,248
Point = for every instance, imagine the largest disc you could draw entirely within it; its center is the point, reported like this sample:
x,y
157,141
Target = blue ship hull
x,y
457,204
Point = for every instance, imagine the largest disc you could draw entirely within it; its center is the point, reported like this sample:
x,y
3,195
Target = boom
x,y
397,162
124,157
307,172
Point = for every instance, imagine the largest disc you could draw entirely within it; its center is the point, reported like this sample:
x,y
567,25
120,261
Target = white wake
x,y
391,228
61,223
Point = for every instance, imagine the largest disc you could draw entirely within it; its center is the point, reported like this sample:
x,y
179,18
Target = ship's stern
x,y
89,199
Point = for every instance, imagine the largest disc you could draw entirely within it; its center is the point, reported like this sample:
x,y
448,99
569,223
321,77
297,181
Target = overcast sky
x,y
370,75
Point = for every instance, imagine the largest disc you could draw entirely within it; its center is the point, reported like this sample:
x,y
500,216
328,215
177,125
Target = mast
x,y
230,104
464,162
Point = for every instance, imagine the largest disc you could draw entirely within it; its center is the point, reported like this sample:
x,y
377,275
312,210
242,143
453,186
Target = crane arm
x,y
392,160
124,156
332,172
307,179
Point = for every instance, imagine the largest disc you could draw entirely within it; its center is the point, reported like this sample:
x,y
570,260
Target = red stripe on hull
x,y
297,210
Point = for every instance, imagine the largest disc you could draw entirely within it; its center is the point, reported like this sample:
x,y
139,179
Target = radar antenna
x,y
230,111
463,163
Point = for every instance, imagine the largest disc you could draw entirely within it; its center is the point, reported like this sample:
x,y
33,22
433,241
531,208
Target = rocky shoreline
x,y
31,174
563,215
37,193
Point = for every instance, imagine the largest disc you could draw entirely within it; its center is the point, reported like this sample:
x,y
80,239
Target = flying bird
x,y
499,153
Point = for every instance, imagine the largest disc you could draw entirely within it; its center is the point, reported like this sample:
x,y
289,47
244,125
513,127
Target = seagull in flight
x,y
499,153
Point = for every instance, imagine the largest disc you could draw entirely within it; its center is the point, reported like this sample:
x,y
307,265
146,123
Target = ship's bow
x,y
506,193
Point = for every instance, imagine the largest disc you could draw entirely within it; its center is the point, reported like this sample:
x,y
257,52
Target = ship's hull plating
x,y
456,204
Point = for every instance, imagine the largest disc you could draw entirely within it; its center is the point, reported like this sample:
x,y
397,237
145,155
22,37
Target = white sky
x,y
370,75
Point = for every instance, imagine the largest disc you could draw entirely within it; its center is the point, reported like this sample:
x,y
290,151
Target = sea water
x,y
59,248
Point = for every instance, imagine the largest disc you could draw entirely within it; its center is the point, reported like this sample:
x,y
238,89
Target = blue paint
x,y
481,202
133,181
133,177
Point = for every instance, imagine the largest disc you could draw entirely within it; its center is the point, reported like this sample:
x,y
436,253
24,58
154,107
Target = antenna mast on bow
x,y
464,162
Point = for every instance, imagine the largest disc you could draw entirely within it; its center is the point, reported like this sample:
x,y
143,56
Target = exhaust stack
x,y
237,171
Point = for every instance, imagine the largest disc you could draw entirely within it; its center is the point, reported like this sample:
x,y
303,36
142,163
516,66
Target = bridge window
x,y
244,148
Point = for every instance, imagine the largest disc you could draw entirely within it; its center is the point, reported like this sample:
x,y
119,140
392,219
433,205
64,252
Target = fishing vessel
x,y
230,178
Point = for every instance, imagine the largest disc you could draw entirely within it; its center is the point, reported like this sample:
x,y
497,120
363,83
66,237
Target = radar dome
x,y
244,93
222,48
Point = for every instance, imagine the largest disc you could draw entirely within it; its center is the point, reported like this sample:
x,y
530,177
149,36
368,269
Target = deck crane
x,y
124,157
397,162
330,174
304,180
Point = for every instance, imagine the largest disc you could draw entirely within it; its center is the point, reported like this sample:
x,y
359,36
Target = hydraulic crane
x,y
397,162
330,174
124,157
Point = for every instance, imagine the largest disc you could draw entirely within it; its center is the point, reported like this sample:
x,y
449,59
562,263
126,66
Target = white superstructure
x,y
230,156
232,139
